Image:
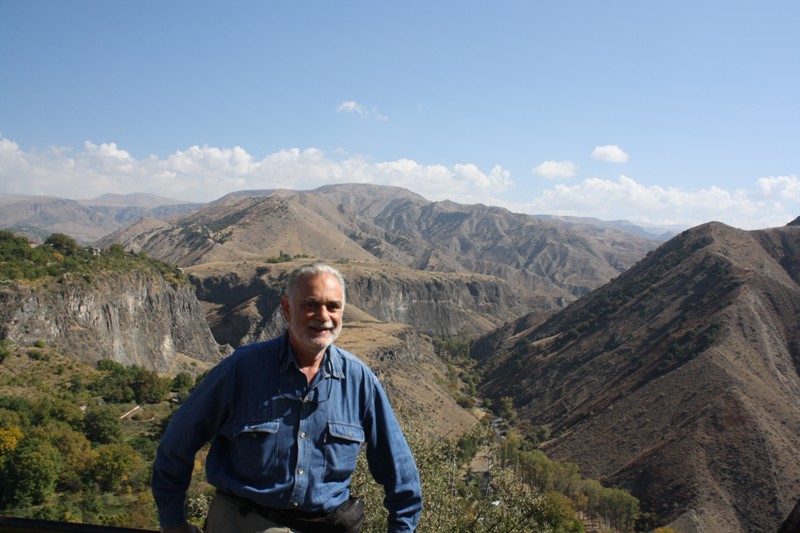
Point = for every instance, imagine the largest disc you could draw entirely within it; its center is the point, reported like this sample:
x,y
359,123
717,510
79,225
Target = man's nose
x,y
322,313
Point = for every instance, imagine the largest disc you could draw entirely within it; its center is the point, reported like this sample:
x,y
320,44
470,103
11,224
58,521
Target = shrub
x,y
5,350
182,381
113,465
102,424
30,473
38,355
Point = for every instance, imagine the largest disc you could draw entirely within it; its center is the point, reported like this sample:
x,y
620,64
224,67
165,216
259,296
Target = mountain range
x,y
671,369
679,380
36,217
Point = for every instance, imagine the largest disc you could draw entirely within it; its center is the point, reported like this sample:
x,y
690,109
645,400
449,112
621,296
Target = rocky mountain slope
x,y
38,216
241,299
679,380
131,317
547,264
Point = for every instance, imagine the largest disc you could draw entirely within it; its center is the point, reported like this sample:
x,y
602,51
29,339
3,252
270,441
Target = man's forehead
x,y
318,299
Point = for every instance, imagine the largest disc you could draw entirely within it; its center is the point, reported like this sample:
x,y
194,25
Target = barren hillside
x,y
679,380
548,264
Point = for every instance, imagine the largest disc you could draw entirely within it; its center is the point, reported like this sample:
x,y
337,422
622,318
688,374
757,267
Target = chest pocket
x,y
342,443
254,447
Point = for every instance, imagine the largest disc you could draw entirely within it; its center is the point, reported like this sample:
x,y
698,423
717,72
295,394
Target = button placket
x,y
301,480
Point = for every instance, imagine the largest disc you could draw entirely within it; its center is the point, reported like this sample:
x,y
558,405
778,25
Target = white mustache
x,y
324,325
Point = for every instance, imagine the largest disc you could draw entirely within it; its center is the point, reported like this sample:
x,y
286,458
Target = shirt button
x,y
300,471
302,435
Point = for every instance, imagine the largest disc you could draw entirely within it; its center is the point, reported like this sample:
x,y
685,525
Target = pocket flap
x,y
256,427
346,431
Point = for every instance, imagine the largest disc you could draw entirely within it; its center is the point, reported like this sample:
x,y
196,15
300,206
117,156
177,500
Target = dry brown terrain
x,y
411,373
679,381
547,263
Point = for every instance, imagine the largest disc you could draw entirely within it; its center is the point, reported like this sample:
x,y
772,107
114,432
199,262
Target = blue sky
x,y
676,112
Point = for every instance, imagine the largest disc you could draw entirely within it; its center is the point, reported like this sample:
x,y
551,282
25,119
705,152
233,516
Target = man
x,y
287,418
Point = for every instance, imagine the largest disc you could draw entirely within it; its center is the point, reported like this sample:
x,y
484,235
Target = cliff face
x,y
437,304
130,317
241,301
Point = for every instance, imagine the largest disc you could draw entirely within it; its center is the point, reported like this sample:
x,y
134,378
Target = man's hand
x,y
183,528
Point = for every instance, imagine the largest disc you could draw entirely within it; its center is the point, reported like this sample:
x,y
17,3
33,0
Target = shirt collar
x,y
331,362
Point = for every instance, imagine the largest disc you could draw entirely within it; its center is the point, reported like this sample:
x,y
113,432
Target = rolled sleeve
x,y
392,465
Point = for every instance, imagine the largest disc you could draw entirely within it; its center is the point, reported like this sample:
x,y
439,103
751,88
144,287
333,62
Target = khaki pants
x,y
224,517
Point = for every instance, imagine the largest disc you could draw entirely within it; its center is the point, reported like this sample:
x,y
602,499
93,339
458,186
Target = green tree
x,y
506,408
593,492
113,465
16,410
508,450
74,448
566,477
537,470
63,243
30,473
116,383
116,249
101,424
47,408
148,386
182,381
109,365
559,510
620,508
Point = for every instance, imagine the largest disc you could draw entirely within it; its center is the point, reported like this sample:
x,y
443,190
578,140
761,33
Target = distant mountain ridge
x,y
143,200
651,231
548,263
679,380
84,220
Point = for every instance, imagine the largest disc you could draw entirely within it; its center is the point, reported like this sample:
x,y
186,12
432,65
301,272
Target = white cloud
x,y
611,153
783,187
555,169
626,199
351,106
106,150
204,173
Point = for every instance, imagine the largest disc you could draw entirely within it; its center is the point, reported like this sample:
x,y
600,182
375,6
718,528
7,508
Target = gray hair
x,y
310,270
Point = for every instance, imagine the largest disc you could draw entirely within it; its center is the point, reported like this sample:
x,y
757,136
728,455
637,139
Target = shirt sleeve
x,y
392,465
193,424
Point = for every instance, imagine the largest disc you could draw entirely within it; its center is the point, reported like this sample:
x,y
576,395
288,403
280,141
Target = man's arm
x,y
192,425
392,465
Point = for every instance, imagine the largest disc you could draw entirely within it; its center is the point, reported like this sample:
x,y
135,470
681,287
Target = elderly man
x,y
288,418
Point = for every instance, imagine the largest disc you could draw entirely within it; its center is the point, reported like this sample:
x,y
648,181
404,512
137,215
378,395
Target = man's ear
x,y
285,307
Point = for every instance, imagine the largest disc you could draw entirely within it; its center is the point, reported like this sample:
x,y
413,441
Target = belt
x,y
276,515
347,518
301,521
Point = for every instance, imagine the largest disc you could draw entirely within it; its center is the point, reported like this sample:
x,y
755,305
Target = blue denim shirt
x,y
284,443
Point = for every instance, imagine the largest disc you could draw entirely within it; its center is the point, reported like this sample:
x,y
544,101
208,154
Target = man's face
x,y
314,314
